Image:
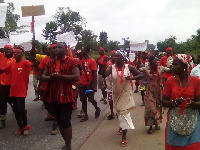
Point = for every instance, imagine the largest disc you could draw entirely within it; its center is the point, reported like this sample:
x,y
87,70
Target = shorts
x,y
62,112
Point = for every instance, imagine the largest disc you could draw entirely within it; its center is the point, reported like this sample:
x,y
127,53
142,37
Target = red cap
x,y
8,46
169,49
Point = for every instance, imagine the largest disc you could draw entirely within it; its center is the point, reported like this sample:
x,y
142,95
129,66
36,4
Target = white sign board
x,y
27,45
4,41
3,11
68,38
138,46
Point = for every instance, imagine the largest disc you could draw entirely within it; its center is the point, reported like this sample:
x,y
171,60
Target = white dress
x,y
123,98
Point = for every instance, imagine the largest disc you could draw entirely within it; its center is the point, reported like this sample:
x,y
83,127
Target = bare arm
x,y
136,74
45,76
166,101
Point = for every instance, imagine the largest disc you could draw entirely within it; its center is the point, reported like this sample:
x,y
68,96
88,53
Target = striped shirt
x,y
61,91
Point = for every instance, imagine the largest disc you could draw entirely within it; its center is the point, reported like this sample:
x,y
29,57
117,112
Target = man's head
x,y
101,51
18,55
85,51
169,51
60,50
8,49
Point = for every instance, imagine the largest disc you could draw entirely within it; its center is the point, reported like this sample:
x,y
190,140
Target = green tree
x,y
103,39
113,45
50,31
11,25
170,42
126,42
68,20
150,47
87,38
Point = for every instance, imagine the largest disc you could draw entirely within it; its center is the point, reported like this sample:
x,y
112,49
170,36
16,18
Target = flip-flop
x,y
124,143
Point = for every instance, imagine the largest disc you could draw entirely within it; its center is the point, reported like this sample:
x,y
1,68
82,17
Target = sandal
x,y
85,118
149,131
123,143
97,113
110,117
157,127
120,132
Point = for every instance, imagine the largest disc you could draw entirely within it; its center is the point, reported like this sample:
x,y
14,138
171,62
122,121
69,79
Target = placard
x,y
37,10
4,41
68,38
3,11
138,46
27,45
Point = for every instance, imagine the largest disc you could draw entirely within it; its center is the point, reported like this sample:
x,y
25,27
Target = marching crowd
x,y
171,81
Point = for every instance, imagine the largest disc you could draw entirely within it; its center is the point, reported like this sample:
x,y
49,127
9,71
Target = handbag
x,y
183,124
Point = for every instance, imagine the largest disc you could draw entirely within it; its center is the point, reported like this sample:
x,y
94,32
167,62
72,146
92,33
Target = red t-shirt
x,y
90,65
19,73
42,66
173,91
5,78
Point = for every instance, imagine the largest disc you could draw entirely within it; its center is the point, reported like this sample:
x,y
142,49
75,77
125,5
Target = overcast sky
x,y
139,20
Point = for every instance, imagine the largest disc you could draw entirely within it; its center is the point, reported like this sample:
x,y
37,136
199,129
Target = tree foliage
x,y
150,47
103,39
169,42
68,20
113,45
87,38
50,31
126,42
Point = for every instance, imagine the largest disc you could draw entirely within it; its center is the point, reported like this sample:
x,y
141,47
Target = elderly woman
x,y
182,96
122,76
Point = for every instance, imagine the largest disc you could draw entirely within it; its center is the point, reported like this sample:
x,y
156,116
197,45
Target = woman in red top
x,y
181,91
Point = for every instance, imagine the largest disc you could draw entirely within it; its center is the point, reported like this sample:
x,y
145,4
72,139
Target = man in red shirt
x,y
88,83
50,52
163,62
61,92
5,59
101,80
19,72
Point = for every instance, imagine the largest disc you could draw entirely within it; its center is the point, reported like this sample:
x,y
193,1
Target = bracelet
x,y
172,102
175,103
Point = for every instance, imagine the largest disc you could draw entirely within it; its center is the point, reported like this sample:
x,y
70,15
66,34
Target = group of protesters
x,y
170,81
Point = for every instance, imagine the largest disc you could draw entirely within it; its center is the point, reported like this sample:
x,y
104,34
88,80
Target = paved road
x,y
106,137
95,134
40,138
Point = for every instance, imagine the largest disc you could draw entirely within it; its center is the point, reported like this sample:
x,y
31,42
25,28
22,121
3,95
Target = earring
x,y
184,69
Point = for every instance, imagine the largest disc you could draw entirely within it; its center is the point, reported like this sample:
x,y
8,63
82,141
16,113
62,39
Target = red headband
x,y
169,49
52,45
19,50
8,46
113,51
